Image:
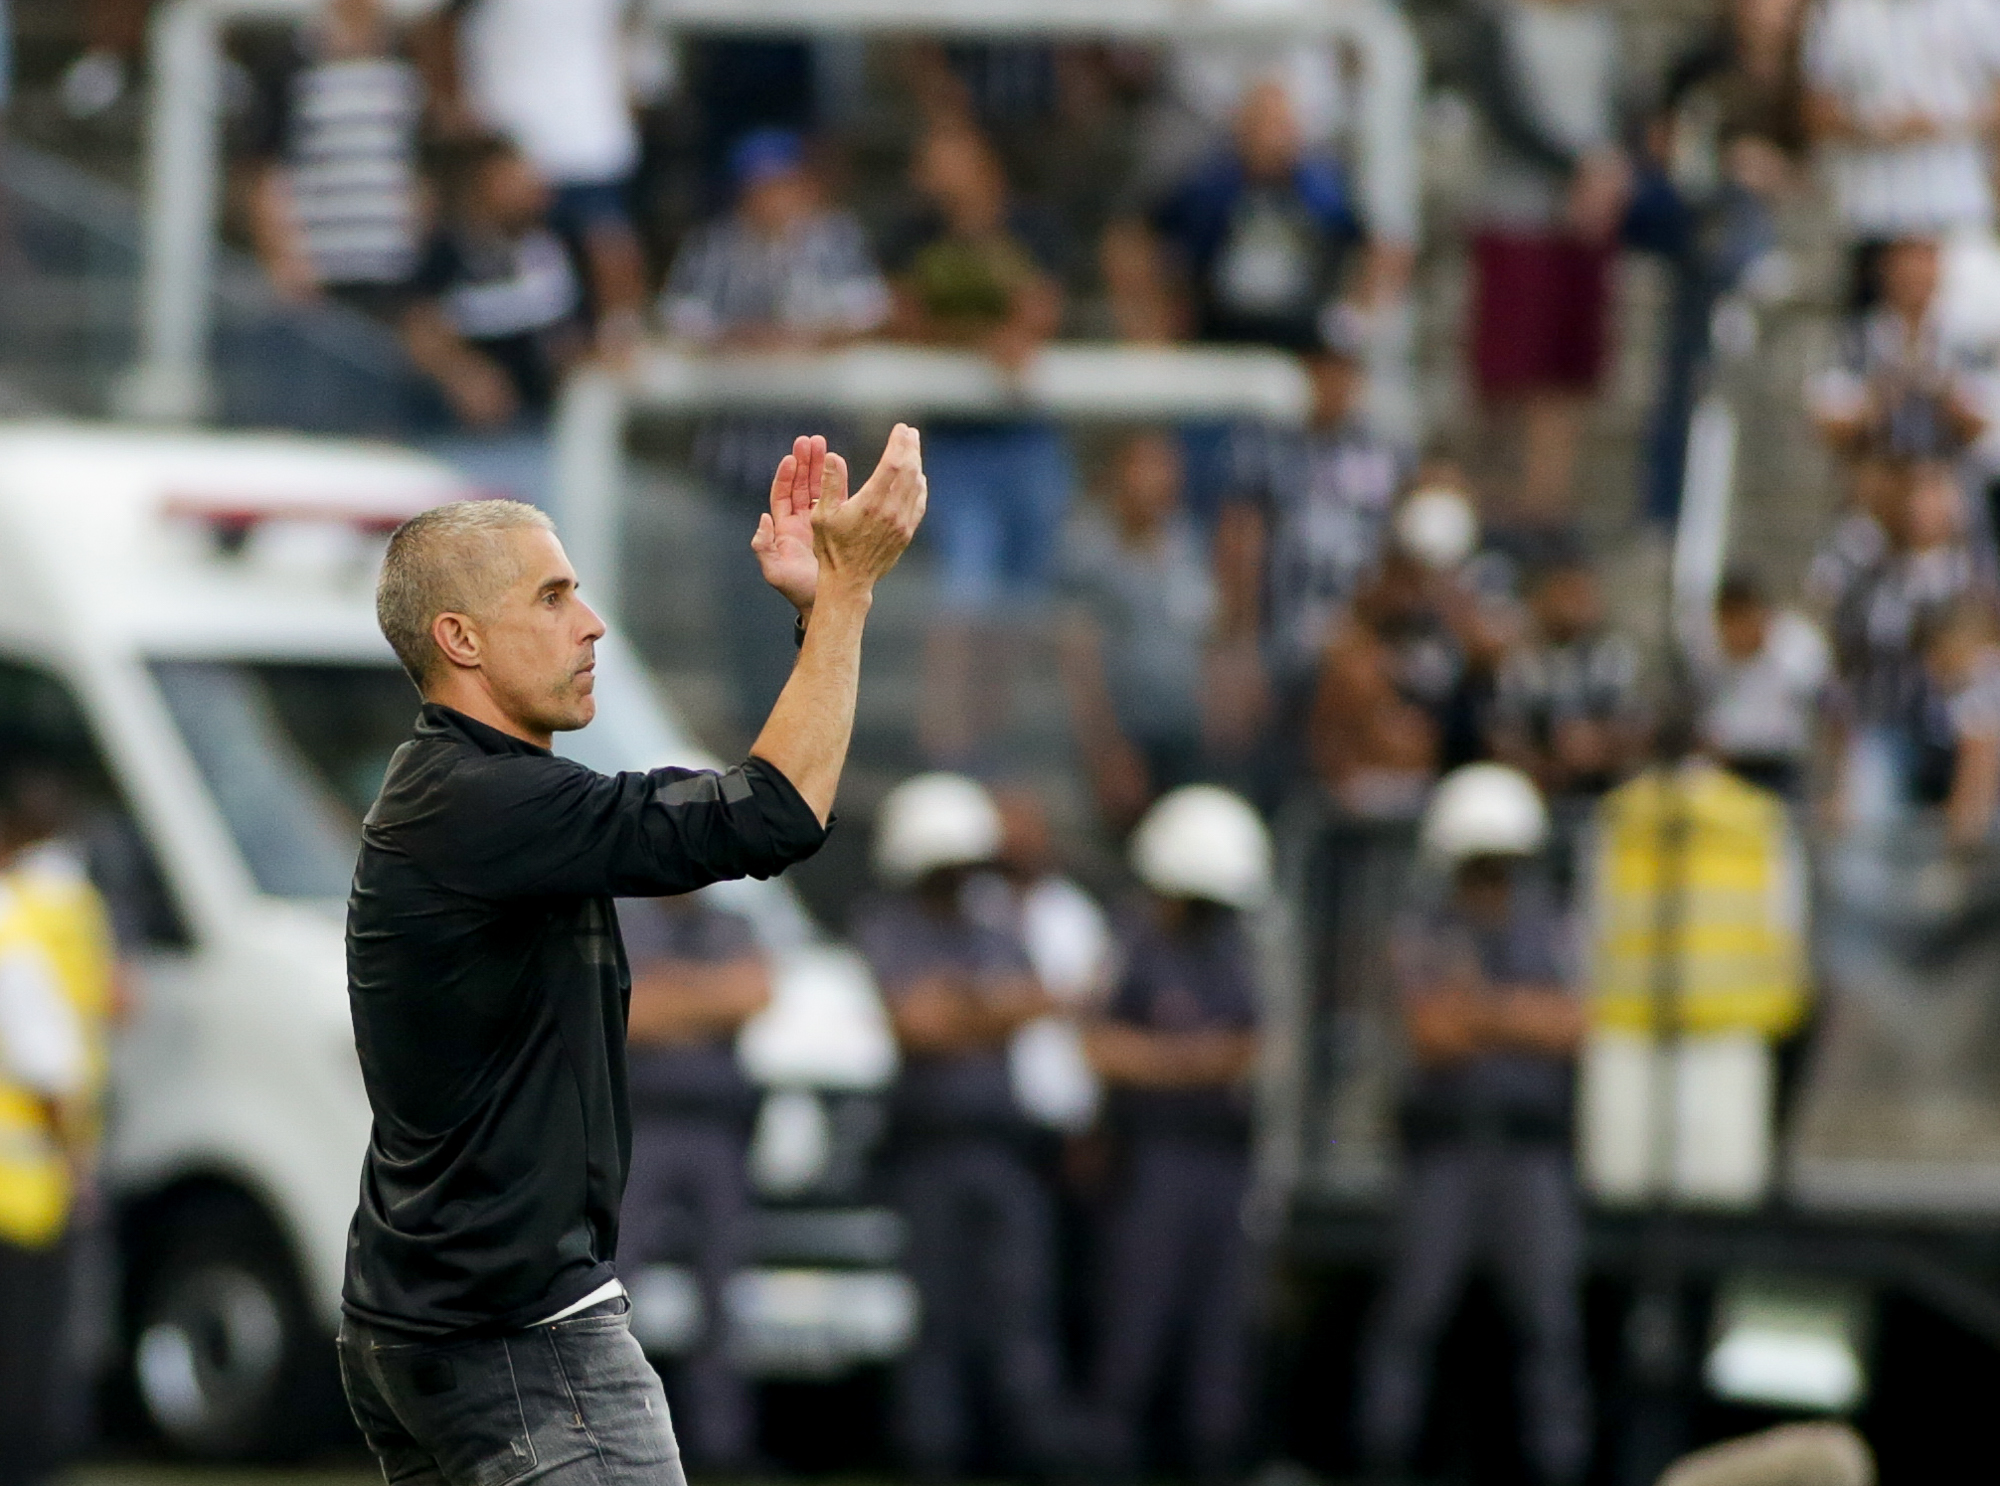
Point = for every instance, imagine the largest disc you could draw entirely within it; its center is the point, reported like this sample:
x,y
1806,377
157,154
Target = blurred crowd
x,y
1406,641
518,185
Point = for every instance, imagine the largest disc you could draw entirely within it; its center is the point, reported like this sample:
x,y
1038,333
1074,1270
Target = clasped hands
x,y
817,537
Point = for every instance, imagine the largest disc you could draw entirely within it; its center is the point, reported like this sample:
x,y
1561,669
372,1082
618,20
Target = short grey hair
x,y
448,560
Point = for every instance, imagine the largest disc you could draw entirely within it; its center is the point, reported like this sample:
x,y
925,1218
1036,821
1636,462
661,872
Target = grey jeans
x,y
573,1403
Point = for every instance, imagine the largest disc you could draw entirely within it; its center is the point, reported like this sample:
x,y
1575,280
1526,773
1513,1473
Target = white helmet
x,y
931,822
1437,526
1204,842
1485,810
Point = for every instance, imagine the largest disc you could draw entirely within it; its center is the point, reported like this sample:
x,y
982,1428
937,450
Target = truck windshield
x,y
293,755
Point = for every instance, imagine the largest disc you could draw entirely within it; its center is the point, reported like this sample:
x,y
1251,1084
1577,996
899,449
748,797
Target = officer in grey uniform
x,y
1485,976
697,976
1175,1049
979,1217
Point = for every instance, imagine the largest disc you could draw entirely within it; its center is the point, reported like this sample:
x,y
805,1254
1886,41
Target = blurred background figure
x,y
1550,85
1901,380
1899,101
493,317
697,977
336,203
784,270
1175,1047
978,268
1069,946
1698,876
1301,529
1393,705
1880,595
1726,146
1136,643
979,1216
1763,674
56,1001
1485,967
1257,237
1566,705
551,76
1958,733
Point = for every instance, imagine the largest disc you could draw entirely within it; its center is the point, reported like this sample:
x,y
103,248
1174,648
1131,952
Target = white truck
x,y
187,631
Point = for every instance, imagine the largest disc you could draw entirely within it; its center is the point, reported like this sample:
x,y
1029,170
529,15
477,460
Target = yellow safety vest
x,y
1741,941
61,919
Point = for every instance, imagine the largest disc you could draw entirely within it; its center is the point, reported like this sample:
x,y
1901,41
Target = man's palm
x,y
784,540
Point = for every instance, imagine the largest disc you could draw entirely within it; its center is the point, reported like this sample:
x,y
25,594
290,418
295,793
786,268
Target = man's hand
x,y
784,539
480,394
1598,194
859,539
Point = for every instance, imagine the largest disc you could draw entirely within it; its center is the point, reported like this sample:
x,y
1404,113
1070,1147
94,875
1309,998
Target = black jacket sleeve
x,y
517,826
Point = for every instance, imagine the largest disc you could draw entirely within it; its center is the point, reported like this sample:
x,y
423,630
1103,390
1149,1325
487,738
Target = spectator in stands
x,y
1547,80
1958,732
1879,604
1724,148
978,268
1141,616
1901,98
1761,674
1566,705
784,270
550,75
1300,532
336,204
1255,239
1393,696
1484,965
493,317
697,977
1900,379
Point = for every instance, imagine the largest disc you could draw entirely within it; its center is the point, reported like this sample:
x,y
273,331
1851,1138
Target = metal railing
x,y
1070,382
69,281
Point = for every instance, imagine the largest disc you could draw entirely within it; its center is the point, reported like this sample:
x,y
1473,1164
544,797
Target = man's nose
x,y
593,627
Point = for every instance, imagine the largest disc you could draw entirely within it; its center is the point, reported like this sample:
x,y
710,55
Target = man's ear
x,y
457,639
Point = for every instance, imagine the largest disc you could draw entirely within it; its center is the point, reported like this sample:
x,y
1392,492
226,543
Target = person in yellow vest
x,y
56,981
1697,907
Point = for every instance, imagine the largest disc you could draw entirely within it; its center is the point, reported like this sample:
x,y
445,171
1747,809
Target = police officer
x,y
1483,968
1175,1049
697,977
980,1223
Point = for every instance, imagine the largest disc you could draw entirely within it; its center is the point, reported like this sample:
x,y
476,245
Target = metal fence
x,y
69,275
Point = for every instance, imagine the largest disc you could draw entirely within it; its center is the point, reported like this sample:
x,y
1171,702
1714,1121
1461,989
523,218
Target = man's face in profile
x,y
539,638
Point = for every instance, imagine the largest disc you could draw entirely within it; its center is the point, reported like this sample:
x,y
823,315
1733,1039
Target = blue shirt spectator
x,y
1261,231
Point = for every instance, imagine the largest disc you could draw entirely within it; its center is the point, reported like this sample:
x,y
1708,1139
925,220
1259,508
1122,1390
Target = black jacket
x,y
489,991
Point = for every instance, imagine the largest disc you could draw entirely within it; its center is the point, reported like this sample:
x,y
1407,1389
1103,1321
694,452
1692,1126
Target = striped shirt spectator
x,y
337,129
1321,501
814,281
1902,93
781,270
